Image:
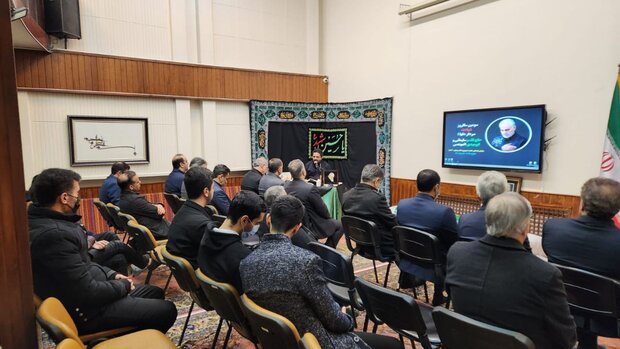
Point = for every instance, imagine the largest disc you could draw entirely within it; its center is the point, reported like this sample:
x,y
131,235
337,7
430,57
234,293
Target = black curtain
x,y
289,141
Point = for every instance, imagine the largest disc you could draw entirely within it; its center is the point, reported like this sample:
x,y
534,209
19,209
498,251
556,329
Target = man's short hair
x,y
507,214
490,184
600,197
198,161
296,168
274,165
427,179
246,203
286,212
317,150
259,162
371,172
273,193
119,166
125,181
196,179
177,159
51,183
508,121
220,169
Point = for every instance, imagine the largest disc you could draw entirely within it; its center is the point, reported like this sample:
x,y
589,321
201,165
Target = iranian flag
x,y
610,164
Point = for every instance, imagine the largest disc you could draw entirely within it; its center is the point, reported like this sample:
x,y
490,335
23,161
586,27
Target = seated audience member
x,y
317,218
497,281
490,184
110,192
252,178
148,214
96,297
316,165
220,199
423,213
289,280
590,242
197,161
364,201
106,249
302,238
221,249
272,177
190,223
175,178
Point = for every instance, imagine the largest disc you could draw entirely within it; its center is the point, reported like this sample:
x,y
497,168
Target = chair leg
x,y
425,292
189,314
168,281
387,274
227,335
366,323
374,327
148,277
375,268
354,316
217,333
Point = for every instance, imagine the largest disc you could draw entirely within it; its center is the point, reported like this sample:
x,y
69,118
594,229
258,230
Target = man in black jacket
x,y
317,217
251,179
221,249
190,222
148,214
96,297
364,201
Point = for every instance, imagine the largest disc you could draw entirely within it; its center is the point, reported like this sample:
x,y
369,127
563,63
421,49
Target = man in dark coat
x,y
96,297
148,214
316,165
190,222
489,184
110,192
497,281
317,217
364,201
220,199
251,179
221,249
590,242
175,178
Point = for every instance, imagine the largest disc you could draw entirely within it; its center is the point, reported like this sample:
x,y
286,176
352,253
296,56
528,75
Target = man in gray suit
x,y
272,178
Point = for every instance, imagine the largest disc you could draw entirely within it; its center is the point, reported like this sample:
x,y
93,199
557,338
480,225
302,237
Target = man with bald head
x,y
510,140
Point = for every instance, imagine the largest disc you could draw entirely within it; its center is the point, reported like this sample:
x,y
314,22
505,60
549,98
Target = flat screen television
x,y
494,139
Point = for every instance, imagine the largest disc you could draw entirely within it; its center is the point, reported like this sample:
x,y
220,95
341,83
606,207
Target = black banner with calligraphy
x,y
332,142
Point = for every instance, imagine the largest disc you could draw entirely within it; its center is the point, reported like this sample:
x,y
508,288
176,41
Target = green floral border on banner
x,y
263,112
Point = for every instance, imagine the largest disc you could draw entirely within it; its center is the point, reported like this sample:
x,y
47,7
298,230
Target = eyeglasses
x,y
73,196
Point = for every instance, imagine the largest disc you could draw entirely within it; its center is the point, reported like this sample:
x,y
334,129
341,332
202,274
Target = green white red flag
x,y
610,164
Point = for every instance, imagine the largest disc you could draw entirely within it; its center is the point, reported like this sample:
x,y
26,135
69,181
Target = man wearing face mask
x,y
96,297
221,249
422,212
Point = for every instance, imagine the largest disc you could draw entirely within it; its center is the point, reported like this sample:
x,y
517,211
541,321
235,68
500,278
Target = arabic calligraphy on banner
x,y
331,141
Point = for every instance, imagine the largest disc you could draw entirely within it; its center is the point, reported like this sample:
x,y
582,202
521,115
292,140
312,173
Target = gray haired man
x,y
252,178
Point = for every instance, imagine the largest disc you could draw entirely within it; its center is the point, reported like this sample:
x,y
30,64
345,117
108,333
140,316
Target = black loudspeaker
x,y
62,18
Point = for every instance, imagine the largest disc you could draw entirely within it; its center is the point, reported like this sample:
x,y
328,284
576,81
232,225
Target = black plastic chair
x,y
144,242
185,275
420,248
273,331
457,331
401,312
113,211
218,218
174,201
338,270
103,211
595,298
224,298
212,208
366,237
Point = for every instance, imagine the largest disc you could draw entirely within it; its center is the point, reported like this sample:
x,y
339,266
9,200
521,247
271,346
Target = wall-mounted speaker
x,y
62,18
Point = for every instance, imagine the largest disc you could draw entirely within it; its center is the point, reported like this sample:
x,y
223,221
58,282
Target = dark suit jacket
x,y
267,181
220,199
497,281
366,202
143,211
186,231
585,243
314,172
422,212
473,225
250,180
317,217
174,182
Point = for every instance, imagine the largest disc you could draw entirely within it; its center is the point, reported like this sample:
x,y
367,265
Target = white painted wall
x,y
491,54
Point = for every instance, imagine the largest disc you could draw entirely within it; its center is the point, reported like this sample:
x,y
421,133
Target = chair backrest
x,y
143,238
69,343
224,298
185,275
218,218
309,341
591,294
124,219
274,331
213,209
337,266
416,246
114,210
399,311
457,331
174,201
56,321
103,211
364,234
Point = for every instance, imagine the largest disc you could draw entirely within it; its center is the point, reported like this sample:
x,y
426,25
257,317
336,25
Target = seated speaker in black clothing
x,y
590,242
96,297
190,222
315,166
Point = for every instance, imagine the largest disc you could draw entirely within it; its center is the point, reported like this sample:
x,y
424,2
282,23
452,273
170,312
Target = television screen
x,y
498,138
